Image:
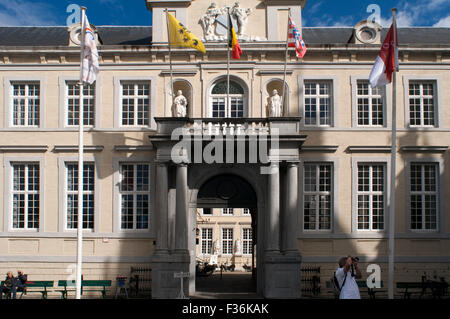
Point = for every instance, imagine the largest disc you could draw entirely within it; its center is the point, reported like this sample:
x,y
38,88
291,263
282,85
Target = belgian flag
x,y
233,42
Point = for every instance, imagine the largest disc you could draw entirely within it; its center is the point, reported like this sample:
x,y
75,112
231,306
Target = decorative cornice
x,y
179,72
23,148
324,148
274,72
424,149
133,148
74,148
368,149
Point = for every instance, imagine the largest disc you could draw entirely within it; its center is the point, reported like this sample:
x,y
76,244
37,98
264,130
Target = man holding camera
x,y
346,274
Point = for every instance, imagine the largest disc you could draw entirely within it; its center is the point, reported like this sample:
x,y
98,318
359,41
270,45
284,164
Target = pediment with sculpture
x,y
215,22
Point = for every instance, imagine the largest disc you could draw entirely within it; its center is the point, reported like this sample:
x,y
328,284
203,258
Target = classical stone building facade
x,y
318,191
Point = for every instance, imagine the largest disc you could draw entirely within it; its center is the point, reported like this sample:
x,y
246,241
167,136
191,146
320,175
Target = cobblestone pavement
x,y
232,285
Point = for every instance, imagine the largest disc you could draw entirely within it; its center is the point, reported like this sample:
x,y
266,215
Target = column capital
x,y
292,163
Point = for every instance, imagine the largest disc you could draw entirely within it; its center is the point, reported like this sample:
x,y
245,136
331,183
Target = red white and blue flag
x,y
295,40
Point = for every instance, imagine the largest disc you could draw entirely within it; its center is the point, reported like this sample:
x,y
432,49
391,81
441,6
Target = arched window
x,y
223,107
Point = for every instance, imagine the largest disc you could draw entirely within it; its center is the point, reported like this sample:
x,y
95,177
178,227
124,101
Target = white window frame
x,y
249,241
62,168
225,212
333,101
436,80
386,96
8,97
245,97
318,193
8,193
334,162
135,193
151,81
209,240
228,240
246,211
387,169
117,213
440,215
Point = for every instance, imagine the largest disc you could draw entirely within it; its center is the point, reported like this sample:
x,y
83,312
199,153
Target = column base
x,y
164,285
282,275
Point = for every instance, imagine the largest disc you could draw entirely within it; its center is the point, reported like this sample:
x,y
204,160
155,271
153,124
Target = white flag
x,y
90,54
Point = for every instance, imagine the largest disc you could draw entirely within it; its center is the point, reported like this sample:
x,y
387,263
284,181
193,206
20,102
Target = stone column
x,y
161,202
182,208
290,208
273,213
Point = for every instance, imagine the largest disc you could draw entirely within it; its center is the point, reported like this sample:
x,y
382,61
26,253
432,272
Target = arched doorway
x,y
229,188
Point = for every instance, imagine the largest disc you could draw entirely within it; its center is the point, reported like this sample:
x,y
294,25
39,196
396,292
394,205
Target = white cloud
x,y
26,13
443,23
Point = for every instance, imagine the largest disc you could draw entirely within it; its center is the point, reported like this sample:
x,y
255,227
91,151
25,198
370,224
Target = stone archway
x,y
220,186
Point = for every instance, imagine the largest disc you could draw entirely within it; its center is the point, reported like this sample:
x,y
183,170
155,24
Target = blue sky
x,y
317,13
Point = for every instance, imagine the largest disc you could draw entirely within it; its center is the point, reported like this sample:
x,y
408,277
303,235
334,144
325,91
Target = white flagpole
x,y
80,165
283,100
227,103
172,94
393,169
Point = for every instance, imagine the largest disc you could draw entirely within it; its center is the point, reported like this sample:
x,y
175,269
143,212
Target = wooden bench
x,y
437,289
101,286
35,286
361,284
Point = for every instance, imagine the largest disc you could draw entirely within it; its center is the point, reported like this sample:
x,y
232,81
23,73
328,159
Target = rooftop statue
x,y
241,16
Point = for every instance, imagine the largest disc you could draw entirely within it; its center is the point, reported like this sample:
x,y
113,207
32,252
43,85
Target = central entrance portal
x,y
226,236
264,182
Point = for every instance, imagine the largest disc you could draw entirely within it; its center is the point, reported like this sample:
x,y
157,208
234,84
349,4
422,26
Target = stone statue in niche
x,y
275,104
238,247
241,16
216,247
179,106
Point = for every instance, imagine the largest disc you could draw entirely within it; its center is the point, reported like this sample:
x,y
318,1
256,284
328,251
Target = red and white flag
x,y
90,54
295,40
386,61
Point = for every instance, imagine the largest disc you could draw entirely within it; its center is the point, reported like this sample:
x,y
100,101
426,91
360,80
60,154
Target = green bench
x,y
437,289
101,286
39,286
361,284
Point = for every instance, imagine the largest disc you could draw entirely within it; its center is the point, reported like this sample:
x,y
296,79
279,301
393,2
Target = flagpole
x,y
172,94
228,58
393,168
285,66
80,164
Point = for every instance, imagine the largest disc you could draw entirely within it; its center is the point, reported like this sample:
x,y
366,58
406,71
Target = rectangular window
x,y
423,196
422,106
206,211
317,196
227,211
318,103
218,107
227,241
370,105
206,241
135,196
246,211
247,241
72,195
25,104
371,196
25,196
135,108
73,104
